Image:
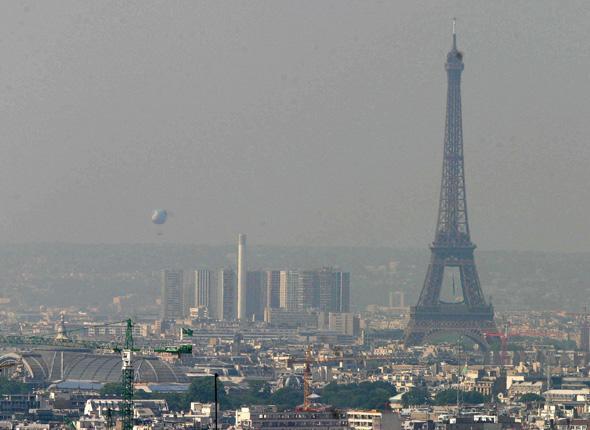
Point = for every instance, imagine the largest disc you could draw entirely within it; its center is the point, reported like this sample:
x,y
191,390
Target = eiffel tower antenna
x,y
454,34
452,246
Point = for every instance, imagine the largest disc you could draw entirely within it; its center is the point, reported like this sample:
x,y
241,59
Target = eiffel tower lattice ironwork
x,y
452,246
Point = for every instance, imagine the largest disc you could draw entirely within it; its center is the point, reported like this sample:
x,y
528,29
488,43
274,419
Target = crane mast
x,y
307,380
127,375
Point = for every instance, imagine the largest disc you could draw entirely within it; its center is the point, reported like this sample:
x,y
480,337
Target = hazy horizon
x,y
297,123
233,245
83,275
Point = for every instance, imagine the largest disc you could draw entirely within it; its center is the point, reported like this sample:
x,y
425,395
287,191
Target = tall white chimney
x,y
242,276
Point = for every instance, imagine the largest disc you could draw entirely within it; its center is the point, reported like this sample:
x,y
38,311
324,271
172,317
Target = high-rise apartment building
x,y
273,289
324,289
172,295
333,290
307,289
188,295
242,278
294,290
342,280
288,287
204,288
327,290
223,302
255,295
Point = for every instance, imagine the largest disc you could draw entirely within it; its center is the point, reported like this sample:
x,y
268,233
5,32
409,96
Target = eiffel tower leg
x,y
414,335
469,278
433,282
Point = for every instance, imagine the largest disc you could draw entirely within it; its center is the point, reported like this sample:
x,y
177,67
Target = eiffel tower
x,y
452,247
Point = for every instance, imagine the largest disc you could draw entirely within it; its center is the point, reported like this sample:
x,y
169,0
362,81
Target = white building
x,y
372,420
555,396
99,407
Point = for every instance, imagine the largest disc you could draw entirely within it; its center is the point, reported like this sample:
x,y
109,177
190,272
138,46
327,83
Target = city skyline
x,y
218,215
213,293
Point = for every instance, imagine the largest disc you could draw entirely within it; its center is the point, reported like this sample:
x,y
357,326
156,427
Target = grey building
x,y
328,292
342,280
289,284
172,293
307,290
334,290
242,281
255,295
223,302
204,288
273,289
325,289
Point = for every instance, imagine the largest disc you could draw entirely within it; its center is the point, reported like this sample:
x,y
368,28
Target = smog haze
x,y
301,123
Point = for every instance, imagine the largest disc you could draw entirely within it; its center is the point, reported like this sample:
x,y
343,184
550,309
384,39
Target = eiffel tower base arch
x,y
426,324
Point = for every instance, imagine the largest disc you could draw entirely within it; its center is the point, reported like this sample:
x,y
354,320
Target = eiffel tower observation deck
x,y
452,250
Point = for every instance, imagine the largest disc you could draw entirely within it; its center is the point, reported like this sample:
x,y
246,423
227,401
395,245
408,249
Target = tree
x,y
259,389
286,398
112,389
203,389
531,398
8,386
258,393
416,396
176,401
449,397
473,397
366,395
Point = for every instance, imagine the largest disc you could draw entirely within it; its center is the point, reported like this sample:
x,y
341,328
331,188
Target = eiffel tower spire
x,y
454,34
452,246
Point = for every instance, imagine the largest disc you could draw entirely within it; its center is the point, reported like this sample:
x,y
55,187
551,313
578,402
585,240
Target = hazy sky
x,y
297,122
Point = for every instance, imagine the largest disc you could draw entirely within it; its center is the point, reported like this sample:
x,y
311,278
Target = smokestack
x,y
242,275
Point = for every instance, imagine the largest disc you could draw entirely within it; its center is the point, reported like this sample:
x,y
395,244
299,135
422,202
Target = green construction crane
x,y
127,371
127,376
69,423
109,419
